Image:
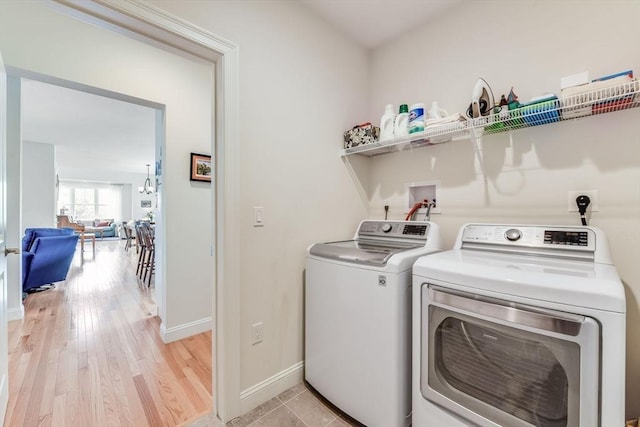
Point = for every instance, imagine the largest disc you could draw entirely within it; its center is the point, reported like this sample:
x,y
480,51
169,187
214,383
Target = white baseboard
x,y
183,331
271,387
15,313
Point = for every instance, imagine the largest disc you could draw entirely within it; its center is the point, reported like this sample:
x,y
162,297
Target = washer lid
x,y
362,251
377,241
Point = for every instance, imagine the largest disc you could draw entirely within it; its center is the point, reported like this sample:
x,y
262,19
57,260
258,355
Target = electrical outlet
x,y
257,333
593,197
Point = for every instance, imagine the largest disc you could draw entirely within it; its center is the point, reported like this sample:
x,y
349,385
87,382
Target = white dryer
x,y
358,319
519,325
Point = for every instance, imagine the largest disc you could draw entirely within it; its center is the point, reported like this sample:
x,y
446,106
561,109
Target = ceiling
x,y
374,22
91,131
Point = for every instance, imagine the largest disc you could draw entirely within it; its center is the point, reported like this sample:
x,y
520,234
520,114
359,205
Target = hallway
x,y
89,353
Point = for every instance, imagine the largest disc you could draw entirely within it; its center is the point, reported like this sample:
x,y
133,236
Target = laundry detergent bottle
x,y
387,123
401,127
416,118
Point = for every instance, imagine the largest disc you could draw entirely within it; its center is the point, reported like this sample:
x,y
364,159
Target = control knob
x,y
513,234
386,228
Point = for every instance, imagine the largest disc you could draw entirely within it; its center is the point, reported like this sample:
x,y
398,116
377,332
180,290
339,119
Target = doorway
x,y
53,122
76,61
99,143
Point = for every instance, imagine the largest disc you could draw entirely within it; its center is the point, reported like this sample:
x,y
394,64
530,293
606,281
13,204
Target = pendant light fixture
x,y
148,188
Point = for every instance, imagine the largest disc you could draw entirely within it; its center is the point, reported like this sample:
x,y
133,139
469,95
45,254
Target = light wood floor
x,y
88,353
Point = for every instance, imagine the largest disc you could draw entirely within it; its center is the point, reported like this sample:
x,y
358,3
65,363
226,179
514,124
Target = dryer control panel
x,y
564,237
530,239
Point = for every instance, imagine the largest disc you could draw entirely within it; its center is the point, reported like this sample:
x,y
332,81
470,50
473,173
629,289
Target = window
x,y
86,201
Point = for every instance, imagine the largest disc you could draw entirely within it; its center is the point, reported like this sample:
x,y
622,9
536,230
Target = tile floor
x,y
299,406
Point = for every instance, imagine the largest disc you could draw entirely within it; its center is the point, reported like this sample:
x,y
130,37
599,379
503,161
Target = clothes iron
x,y
482,101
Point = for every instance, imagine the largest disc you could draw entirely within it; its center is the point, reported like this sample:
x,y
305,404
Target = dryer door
x,y
500,363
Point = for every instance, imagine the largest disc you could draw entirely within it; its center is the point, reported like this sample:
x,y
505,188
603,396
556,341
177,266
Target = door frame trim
x,y
148,23
4,324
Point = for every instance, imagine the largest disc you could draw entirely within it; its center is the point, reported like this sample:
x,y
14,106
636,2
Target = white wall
x,y
37,38
529,45
38,185
301,85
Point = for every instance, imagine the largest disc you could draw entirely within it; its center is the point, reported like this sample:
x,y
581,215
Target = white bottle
x,y
436,112
401,127
386,123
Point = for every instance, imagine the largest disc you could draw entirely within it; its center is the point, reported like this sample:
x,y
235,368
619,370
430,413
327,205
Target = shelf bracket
x,y
476,139
356,180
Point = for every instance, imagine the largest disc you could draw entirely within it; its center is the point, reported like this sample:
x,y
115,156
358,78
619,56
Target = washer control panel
x,y
561,238
395,229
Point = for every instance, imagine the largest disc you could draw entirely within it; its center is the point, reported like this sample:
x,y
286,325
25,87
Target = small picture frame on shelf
x,y
201,167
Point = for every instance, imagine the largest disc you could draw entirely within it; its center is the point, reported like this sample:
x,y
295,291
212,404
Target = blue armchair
x,y
46,256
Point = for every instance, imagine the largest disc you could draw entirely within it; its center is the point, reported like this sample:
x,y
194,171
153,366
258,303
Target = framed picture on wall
x,y
201,167
145,203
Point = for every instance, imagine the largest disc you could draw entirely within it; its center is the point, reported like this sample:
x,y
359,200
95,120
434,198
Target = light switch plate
x,y
257,333
258,216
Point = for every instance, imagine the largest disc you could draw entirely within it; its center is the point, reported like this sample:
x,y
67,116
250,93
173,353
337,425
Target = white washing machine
x,y
519,325
358,319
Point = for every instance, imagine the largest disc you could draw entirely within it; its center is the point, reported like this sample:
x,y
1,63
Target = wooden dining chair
x,y
128,235
148,260
140,247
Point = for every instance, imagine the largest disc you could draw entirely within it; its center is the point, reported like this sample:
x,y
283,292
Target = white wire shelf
x,y
588,100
